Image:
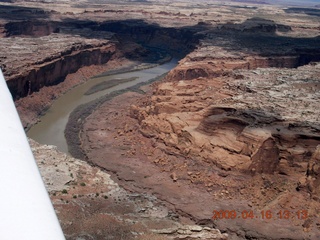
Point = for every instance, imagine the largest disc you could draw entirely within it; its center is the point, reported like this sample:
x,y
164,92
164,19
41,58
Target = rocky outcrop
x,y
200,129
311,181
31,28
192,232
266,158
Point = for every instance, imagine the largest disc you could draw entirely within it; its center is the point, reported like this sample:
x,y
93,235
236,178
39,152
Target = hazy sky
x,y
295,2
300,2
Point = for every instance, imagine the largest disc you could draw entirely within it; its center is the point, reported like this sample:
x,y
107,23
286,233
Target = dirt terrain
x,y
90,205
157,149
228,140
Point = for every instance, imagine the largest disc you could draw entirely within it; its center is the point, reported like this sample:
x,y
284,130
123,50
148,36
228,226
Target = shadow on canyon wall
x,y
146,42
18,13
260,36
255,35
308,11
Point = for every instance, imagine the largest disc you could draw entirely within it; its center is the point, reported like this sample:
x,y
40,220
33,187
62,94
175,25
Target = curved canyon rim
x,y
51,128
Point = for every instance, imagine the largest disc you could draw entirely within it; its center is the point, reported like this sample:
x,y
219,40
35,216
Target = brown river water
x,y
50,129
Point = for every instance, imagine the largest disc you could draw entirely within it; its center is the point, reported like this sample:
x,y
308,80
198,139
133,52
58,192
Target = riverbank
x,y
35,105
79,115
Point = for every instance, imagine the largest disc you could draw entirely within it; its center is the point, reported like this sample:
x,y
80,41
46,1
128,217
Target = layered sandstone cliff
x,y
269,121
53,69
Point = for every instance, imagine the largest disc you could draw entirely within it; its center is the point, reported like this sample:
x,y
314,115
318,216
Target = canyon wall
x,y
52,71
84,43
177,41
213,67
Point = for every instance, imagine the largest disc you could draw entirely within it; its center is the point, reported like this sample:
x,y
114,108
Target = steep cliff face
x,y
176,41
251,44
266,158
35,54
54,70
32,28
213,67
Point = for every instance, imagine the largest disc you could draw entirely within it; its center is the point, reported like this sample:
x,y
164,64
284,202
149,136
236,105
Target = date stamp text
x,y
263,214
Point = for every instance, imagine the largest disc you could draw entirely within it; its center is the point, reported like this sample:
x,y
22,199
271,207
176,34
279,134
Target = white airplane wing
x,y
26,212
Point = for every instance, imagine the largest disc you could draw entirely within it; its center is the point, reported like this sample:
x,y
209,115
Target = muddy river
x,y
50,129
